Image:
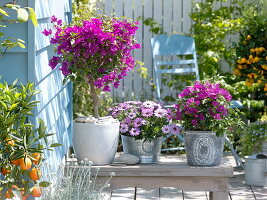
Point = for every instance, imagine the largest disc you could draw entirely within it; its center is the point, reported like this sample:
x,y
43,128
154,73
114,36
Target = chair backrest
x,y
175,45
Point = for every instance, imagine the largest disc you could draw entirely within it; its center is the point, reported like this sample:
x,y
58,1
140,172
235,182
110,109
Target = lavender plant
x,y
74,181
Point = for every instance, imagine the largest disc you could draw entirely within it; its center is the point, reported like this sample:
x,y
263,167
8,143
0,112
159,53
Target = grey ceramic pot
x,y
147,152
203,148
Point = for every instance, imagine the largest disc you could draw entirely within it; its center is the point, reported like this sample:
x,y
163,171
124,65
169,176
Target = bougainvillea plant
x,y
97,51
144,120
205,106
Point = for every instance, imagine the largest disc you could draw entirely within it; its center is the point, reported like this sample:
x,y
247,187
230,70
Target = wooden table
x,y
171,172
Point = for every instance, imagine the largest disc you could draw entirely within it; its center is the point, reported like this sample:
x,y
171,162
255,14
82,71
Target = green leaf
x,y
33,16
13,6
55,145
3,12
21,45
44,184
23,15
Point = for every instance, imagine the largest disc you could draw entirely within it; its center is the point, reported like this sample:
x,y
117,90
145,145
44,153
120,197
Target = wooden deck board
x,y
260,192
238,189
147,194
167,193
123,194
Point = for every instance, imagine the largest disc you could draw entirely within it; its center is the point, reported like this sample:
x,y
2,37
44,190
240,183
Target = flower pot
x,y
96,142
203,148
147,151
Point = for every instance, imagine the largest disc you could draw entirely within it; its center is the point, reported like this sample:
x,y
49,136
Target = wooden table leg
x,y
219,195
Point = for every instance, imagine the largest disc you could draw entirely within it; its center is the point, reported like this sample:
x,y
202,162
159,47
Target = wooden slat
x,y
238,190
260,192
147,194
123,194
128,81
138,53
186,18
167,16
118,10
167,193
195,195
177,15
148,12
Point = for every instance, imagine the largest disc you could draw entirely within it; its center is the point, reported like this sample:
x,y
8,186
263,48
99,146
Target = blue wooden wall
x,y
31,64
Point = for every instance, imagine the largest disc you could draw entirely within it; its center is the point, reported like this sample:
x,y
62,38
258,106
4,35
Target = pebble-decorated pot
x,y
203,148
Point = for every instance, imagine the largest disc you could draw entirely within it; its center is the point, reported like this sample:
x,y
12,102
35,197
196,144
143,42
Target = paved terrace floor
x,y
237,191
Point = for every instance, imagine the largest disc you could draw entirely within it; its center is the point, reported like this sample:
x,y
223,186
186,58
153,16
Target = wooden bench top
x,y
168,166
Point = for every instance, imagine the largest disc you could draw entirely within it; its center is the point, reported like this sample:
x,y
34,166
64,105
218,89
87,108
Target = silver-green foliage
x,y
75,182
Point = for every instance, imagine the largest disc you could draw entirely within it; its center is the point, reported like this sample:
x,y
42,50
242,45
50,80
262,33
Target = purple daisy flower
x,y
147,112
160,112
148,104
174,129
134,132
132,115
166,129
124,128
139,122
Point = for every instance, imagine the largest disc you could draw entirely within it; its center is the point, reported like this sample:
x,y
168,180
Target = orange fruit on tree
x,y
25,163
35,174
248,37
37,157
9,194
24,197
15,162
5,171
36,191
10,142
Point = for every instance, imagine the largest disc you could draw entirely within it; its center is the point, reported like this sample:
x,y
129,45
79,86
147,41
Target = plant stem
x,y
95,99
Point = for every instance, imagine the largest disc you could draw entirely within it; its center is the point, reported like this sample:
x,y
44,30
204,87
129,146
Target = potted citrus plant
x,y
98,52
204,112
22,144
143,124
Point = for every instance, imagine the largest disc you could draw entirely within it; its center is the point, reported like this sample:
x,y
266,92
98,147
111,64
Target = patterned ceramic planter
x,y
203,148
147,152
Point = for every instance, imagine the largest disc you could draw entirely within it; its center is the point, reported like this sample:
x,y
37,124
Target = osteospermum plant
x,y
205,106
97,51
144,120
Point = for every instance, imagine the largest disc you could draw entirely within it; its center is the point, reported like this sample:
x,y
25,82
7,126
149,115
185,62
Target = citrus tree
x,y
22,144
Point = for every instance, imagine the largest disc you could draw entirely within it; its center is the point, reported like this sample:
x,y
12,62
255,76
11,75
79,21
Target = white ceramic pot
x,y
96,142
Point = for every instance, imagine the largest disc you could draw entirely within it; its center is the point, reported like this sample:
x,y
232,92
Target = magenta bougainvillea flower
x,y
205,106
98,50
144,120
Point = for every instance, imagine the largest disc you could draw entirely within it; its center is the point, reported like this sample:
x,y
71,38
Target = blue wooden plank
x,y
42,9
54,108
13,66
41,41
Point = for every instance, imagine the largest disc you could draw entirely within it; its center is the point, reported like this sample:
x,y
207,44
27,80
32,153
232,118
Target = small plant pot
x,y
96,142
203,148
148,152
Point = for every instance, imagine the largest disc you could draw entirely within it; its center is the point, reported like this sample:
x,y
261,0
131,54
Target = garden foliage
x,y
211,28
22,144
23,14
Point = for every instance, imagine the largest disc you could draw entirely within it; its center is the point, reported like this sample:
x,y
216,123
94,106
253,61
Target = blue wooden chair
x,y
182,47
176,45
